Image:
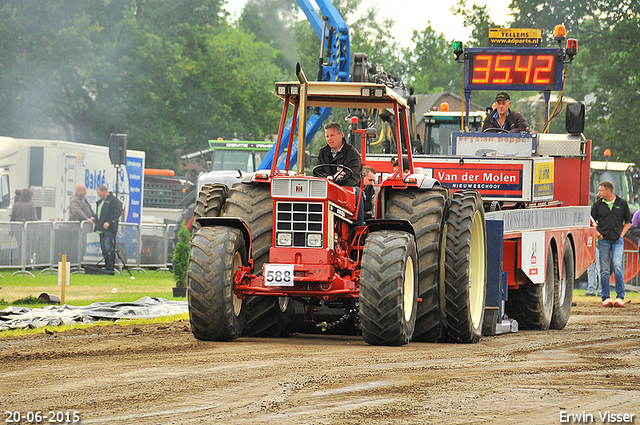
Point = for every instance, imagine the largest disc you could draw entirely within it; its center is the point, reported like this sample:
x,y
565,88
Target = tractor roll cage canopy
x,y
342,95
304,94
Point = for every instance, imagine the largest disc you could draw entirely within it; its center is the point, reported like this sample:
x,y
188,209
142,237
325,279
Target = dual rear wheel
x,y
465,277
451,243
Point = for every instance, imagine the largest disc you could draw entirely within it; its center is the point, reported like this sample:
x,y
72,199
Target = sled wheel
x,y
532,306
563,293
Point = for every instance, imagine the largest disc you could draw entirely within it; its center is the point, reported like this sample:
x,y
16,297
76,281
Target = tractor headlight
x,y
283,239
314,239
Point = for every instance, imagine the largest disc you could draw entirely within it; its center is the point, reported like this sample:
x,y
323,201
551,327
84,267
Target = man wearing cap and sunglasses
x,y
504,119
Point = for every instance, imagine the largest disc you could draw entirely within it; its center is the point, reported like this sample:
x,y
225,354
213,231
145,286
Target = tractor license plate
x,y
278,275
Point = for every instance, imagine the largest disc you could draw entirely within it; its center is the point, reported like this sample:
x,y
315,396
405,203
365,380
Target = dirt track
x,y
159,374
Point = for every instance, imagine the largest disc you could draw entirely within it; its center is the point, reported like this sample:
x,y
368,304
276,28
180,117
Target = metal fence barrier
x,y
40,245
155,245
11,244
631,268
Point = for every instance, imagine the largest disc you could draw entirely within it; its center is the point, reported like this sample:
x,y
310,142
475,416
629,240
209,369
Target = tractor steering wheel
x,y
338,172
496,129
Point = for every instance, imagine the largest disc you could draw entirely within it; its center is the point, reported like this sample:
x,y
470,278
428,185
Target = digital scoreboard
x,y
513,68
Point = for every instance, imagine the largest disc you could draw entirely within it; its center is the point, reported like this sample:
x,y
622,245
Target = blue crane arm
x,y
312,16
335,66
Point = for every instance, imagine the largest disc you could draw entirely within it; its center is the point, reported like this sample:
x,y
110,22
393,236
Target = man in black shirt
x,y
504,118
613,217
108,211
338,151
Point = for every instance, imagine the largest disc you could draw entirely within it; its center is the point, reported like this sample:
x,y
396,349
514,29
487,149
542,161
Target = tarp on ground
x,y
54,315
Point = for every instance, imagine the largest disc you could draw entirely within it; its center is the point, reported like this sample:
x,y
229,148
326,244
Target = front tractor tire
x,y
265,316
465,268
209,203
388,288
532,307
215,312
425,209
563,292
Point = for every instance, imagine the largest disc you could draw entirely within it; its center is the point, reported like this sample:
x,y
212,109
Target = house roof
x,y
426,102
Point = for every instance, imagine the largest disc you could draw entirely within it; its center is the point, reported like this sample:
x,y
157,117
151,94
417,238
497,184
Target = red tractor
x,y
415,271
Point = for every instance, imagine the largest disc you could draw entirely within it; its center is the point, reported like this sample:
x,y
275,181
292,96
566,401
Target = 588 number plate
x,y
278,275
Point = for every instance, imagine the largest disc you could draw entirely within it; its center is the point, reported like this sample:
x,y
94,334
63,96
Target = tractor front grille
x,y
298,188
299,224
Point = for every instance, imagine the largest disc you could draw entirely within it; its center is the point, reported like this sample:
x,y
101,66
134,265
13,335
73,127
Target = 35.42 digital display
x,y
523,70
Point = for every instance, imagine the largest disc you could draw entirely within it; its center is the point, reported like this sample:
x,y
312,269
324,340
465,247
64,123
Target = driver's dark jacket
x,y
514,123
348,156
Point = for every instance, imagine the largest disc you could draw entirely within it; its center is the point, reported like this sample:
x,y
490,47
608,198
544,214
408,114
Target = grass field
x,y
23,291
85,289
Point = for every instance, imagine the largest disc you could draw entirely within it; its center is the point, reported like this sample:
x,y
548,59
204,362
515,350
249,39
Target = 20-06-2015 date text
x,y
42,417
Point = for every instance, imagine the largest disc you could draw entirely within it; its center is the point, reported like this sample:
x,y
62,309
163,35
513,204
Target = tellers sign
x,y
513,69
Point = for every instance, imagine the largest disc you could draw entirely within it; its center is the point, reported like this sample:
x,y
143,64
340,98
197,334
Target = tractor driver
x,y
338,151
503,118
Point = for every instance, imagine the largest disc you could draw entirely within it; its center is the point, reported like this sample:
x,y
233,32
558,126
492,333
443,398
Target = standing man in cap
x,y
502,118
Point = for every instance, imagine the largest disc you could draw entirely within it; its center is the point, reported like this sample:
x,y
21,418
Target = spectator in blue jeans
x,y
593,278
613,219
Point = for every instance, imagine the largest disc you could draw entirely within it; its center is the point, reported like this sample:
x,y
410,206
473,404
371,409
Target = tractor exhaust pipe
x,y
302,127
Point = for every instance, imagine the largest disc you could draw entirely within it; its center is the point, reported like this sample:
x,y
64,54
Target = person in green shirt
x,y
613,219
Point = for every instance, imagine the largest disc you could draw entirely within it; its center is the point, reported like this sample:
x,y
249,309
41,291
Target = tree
x,y
169,73
272,22
431,63
604,73
181,257
572,13
372,35
478,18
616,92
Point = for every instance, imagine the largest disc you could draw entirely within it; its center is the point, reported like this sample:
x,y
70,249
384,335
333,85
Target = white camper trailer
x,y
53,169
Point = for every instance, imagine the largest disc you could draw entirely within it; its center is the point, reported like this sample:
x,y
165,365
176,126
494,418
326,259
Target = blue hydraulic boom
x,y
334,64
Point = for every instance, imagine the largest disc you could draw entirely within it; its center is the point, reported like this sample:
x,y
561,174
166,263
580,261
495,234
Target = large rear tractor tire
x,y
215,312
209,203
265,316
532,307
388,288
425,209
563,293
465,268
